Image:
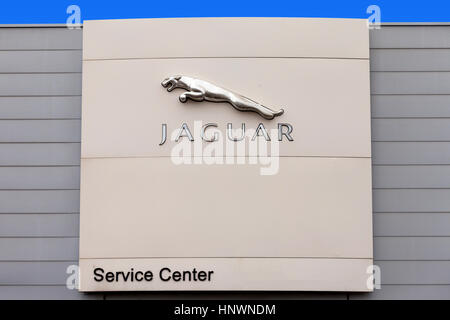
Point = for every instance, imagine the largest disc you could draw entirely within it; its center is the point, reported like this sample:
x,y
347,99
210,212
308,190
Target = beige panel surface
x,y
308,227
225,37
235,274
325,100
149,207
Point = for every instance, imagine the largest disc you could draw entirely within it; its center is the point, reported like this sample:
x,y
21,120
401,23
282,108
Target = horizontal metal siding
x,y
45,178
35,225
406,292
410,37
38,249
40,110
40,84
43,292
415,272
410,106
40,152
394,177
411,157
411,200
429,248
396,82
40,131
410,153
410,60
40,39
39,201
44,61
411,224
24,108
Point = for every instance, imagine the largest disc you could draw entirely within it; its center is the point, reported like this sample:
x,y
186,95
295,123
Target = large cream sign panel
x,y
173,199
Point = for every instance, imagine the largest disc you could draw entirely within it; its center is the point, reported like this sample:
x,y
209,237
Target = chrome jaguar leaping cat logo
x,y
199,90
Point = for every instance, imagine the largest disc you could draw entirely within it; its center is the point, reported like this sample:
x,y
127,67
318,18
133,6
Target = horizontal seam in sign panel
x,y
235,257
226,57
257,156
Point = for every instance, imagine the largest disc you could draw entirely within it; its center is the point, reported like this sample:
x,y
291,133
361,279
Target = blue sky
x,y
46,11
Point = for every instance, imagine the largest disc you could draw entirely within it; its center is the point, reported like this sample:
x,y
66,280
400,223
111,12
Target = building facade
x,y
40,133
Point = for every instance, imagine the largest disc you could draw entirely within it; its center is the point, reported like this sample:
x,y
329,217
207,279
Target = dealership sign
x,y
225,154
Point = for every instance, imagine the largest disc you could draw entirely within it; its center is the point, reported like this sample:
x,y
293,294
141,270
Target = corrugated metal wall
x,y
40,100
